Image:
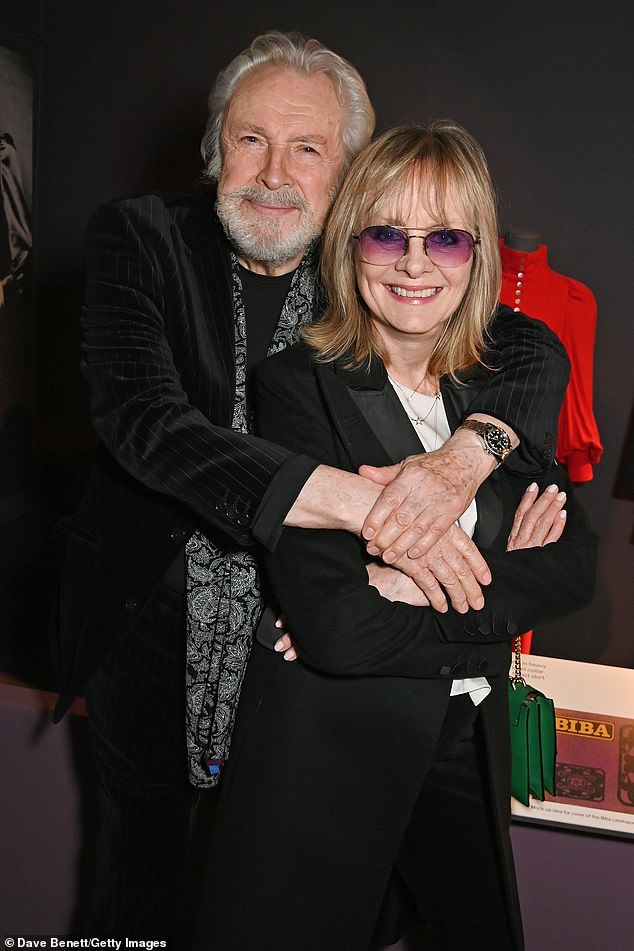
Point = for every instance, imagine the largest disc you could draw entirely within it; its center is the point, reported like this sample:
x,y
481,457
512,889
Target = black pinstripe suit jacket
x,y
158,353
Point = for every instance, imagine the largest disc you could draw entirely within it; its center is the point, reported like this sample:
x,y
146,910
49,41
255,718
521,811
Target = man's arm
x,y
156,352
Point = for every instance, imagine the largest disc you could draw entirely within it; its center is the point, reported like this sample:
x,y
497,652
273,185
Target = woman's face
x,y
411,300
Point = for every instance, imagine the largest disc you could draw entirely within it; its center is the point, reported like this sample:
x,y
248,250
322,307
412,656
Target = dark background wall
x,y
546,88
120,100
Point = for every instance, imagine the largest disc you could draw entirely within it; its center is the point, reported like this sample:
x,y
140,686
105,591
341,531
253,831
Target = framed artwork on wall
x,y
16,243
22,634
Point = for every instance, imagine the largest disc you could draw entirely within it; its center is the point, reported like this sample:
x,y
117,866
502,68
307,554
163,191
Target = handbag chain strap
x,y
517,651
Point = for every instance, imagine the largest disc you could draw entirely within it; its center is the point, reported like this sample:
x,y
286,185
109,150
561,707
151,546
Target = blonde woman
x,y
371,777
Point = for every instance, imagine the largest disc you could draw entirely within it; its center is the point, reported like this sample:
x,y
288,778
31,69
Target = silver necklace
x,y
418,420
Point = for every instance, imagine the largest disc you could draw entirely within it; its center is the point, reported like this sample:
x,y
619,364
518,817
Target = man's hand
x,y
453,568
393,585
425,495
539,519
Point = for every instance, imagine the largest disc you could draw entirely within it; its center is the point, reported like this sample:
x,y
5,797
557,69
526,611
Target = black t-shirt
x,y
263,298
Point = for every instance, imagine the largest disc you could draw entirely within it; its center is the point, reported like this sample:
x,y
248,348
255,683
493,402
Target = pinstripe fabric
x,y
144,796
158,356
528,389
158,353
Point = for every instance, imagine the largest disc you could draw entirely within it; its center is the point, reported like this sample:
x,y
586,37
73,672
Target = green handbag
x,y
533,737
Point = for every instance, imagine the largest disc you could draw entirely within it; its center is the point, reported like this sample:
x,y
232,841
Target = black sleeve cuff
x,y
278,499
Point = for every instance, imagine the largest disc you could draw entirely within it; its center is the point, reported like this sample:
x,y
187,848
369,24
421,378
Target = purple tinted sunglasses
x,y
385,244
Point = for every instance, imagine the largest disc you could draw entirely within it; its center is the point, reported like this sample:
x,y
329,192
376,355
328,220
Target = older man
x,y
184,297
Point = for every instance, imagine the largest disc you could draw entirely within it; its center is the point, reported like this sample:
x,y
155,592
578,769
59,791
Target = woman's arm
x,y
341,625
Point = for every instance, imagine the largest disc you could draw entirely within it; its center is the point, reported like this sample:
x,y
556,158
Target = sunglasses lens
x,y
449,248
381,244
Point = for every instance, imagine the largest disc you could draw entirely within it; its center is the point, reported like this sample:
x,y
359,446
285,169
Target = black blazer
x,y
350,727
158,354
348,418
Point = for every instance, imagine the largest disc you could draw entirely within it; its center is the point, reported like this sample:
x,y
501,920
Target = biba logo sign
x,y
596,729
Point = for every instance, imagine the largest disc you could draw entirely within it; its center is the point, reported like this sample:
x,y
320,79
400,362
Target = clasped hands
x,y
412,527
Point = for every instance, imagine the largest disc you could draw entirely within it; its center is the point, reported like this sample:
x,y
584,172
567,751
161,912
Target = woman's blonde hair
x,y
448,165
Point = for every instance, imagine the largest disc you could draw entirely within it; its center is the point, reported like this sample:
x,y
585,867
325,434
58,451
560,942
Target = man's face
x,y
282,158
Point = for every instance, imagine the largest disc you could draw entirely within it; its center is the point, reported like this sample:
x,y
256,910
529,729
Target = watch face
x,y
497,440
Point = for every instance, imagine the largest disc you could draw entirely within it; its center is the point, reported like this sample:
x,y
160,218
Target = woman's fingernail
x,y
279,645
552,488
563,514
561,496
532,487
290,654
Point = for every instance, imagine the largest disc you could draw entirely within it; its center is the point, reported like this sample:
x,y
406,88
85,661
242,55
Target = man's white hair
x,y
296,52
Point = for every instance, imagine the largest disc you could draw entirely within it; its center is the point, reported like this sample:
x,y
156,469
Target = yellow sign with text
x,y
592,729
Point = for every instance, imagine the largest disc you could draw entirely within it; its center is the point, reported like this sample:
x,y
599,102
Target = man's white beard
x,y
267,240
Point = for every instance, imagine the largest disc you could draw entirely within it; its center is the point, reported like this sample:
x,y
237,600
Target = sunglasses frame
x,y
407,238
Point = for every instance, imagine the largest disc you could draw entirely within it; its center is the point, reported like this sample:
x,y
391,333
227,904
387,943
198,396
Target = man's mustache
x,y
282,198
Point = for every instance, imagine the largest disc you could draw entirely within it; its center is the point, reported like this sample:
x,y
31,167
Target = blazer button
x,y
131,604
511,627
484,628
483,665
445,671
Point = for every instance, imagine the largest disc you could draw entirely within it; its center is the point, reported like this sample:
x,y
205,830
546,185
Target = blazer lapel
x,y
362,415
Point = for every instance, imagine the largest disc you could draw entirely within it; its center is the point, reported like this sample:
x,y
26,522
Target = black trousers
x,y
317,887
447,859
136,710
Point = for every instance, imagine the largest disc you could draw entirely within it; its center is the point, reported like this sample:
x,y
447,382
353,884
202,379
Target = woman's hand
x,y
284,644
539,519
